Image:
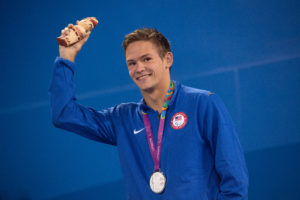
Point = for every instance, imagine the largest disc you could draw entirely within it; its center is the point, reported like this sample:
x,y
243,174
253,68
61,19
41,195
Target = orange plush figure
x,y
78,32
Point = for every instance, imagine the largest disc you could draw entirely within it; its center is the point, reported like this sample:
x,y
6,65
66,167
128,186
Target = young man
x,y
177,143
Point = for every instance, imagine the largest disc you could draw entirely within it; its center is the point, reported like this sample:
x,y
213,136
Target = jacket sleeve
x,y
229,158
70,115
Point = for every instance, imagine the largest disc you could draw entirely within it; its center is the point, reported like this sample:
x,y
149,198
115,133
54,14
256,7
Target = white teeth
x,y
141,77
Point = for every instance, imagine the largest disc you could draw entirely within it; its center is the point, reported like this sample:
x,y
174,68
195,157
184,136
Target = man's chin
x,y
145,88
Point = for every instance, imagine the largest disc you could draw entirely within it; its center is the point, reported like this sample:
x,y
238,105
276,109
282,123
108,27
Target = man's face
x,y
146,68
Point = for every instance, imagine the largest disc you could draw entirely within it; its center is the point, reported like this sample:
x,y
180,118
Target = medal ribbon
x,y
155,151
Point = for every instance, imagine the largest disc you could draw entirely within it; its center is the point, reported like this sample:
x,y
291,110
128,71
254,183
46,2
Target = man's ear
x,y
168,60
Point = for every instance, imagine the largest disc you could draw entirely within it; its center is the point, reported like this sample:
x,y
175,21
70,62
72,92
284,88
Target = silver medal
x,y
157,182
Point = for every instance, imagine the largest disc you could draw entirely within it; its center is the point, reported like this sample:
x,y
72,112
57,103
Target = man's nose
x,y
140,67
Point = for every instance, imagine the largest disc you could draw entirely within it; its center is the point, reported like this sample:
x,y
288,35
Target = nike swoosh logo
x,y
136,132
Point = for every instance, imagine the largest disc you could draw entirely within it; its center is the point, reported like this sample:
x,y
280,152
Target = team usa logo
x,y
179,120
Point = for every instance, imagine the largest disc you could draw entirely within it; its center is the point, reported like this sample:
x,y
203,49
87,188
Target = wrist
x,y
68,57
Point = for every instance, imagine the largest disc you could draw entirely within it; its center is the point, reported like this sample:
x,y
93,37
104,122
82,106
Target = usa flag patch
x,y
179,120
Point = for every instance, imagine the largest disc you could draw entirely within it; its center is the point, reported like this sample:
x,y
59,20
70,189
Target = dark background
x,y
246,51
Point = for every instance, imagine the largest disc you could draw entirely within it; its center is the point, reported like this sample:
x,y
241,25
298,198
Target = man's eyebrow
x,y
143,56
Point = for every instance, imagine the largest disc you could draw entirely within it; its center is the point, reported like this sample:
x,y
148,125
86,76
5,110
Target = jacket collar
x,y
143,106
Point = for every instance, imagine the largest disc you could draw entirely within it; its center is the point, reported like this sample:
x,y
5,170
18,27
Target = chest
x,y
182,133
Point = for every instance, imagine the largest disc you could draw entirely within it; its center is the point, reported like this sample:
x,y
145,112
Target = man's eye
x,y
131,64
147,59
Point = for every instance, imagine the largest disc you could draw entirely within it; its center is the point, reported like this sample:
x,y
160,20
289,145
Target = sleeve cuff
x,y
65,62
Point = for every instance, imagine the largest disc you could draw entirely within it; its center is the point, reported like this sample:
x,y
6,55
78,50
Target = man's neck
x,y
155,99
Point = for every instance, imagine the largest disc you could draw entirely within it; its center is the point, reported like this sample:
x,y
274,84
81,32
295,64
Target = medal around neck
x,y
158,182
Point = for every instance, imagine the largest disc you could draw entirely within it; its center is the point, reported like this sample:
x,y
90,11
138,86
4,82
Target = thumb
x,y
86,37
81,42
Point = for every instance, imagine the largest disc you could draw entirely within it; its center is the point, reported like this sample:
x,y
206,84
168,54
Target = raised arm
x,y
66,112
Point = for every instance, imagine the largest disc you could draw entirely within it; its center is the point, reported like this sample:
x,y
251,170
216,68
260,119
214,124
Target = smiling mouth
x,y
143,76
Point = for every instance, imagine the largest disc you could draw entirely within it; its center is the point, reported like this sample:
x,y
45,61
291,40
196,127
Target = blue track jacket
x,y
201,156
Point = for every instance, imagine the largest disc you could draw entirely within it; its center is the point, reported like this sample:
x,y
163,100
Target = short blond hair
x,y
148,34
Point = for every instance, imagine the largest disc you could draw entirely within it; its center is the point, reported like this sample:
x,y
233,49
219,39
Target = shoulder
x,y
124,108
195,94
127,106
206,103
186,90
202,96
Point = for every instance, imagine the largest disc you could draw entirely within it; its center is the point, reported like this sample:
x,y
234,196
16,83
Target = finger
x,y
66,28
77,22
67,31
63,32
87,36
81,42
84,39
